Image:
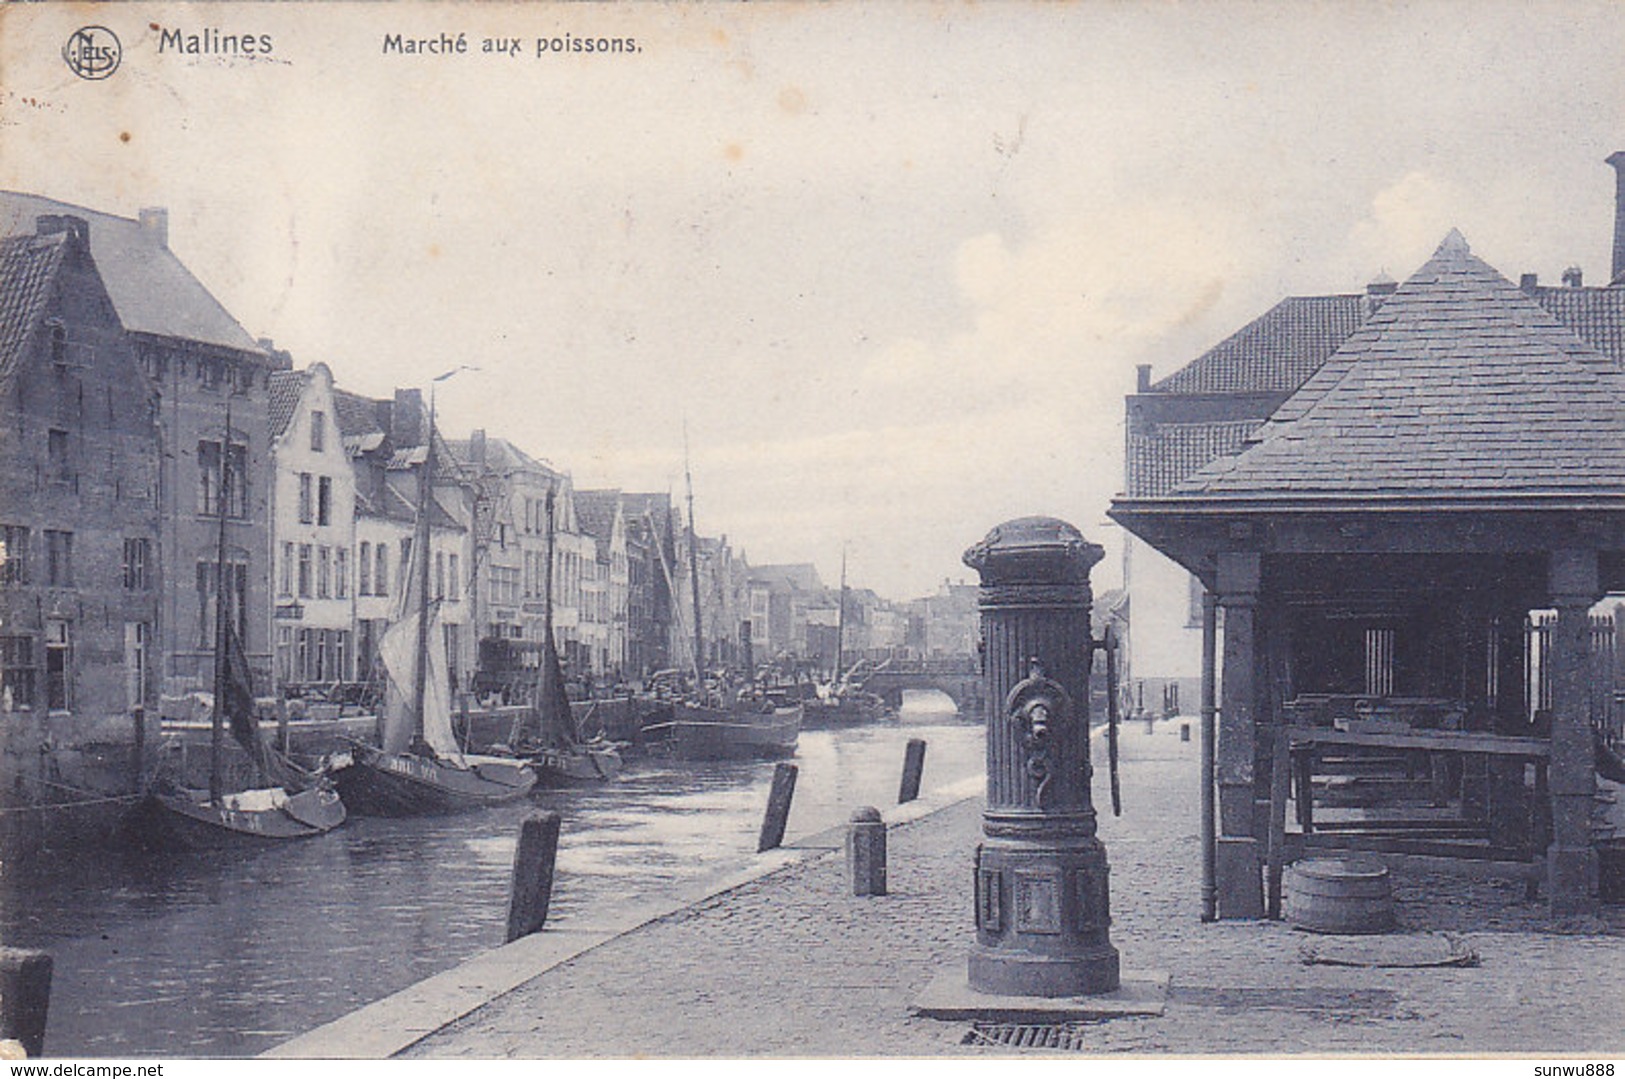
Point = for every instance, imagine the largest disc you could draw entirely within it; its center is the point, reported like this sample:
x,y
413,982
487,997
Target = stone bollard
x,y
1042,902
532,887
913,770
866,852
25,997
778,807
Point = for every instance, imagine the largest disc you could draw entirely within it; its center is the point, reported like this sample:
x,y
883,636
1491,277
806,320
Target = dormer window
x,y
318,426
59,343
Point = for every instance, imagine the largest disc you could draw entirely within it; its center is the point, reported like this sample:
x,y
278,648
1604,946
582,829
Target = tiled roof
x,y
151,290
286,386
1597,315
1161,456
501,456
1458,385
1274,352
27,264
357,415
595,515
800,575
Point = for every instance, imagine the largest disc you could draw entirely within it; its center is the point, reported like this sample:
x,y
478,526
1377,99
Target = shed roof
x,y
151,289
1459,385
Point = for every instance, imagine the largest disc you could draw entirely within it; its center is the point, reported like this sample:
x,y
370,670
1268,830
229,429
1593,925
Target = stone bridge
x,y
959,678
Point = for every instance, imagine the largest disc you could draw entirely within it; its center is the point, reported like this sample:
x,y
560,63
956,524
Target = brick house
x,y
79,515
197,359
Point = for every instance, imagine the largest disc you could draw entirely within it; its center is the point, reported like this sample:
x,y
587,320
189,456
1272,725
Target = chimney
x,y
1529,282
52,224
1572,277
1617,159
155,224
406,419
1142,378
476,448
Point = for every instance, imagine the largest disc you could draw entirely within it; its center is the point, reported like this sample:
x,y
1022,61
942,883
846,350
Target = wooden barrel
x,y
1339,895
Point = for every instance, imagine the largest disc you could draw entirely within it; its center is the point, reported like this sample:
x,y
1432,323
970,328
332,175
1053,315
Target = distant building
x,y
79,512
601,515
651,557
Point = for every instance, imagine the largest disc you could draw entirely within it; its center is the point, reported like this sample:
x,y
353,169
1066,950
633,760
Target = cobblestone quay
x,y
794,965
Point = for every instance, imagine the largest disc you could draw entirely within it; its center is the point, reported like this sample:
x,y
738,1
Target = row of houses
x,y
153,453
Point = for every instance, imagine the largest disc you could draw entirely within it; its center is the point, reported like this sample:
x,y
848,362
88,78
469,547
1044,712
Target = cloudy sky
x,y
895,265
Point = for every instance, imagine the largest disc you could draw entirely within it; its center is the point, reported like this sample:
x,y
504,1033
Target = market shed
x,y
1404,557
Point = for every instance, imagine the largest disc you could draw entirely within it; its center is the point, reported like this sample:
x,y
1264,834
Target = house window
x,y
236,579
454,587
440,575
341,573
59,345
341,655
59,559
58,460
16,673
210,480
324,572
304,571
324,500
453,645
58,665
137,635
137,564
13,554
286,588
380,576
1379,662
302,657
318,431
284,655
305,515
363,566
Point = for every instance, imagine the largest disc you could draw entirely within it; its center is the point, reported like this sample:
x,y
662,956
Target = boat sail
x,y
292,803
419,768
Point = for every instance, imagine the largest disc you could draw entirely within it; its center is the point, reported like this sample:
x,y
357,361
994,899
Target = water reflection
x,y
209,956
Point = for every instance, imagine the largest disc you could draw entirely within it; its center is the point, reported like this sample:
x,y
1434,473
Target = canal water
x,y
207,955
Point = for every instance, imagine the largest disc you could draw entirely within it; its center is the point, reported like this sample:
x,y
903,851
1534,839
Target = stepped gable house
x,y
195,359
1376,544
79,513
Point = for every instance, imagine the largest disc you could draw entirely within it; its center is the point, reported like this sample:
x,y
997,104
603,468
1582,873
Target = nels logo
x,y
92,52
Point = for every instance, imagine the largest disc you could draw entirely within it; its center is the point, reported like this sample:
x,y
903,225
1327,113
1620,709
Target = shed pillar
x,y
1571,863
1238,861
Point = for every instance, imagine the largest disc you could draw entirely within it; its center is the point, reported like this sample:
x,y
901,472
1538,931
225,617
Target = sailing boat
x,y
561,756
421,768
297,806
725,722
841,703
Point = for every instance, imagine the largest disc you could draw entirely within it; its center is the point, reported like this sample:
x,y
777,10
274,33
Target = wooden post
x,y
1237,857
138,752
25,997
532,887
778,807
1280,775
1210,708
913,770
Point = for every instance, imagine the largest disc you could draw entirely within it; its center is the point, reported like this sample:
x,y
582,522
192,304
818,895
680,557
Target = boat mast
x,y
840,621
420,543
216,721
694,571
547,572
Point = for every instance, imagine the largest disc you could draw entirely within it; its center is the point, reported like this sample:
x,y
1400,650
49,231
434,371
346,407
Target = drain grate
x,y
1026,1035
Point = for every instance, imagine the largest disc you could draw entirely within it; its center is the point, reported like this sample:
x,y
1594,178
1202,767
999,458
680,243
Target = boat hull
x,y
580,764
701,733
844,712
381,784
187,819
